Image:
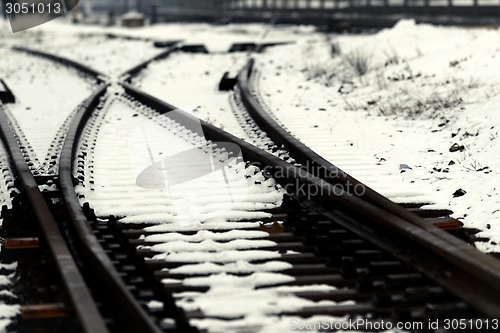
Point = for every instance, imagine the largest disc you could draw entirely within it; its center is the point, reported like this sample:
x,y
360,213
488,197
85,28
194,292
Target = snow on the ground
x,y
113,189
190,82
43,99
339,137
92,46
425,89
111,56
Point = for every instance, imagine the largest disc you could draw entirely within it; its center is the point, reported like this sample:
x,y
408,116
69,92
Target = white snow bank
x,y
426,88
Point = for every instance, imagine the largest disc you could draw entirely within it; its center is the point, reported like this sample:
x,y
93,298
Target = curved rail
x,y
463,273
129,74
80,298
133,317
100,77
479,264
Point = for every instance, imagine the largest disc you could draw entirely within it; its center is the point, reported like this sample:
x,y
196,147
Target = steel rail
x,y
80,298
133,318
129,74
100,77
490,267
448,252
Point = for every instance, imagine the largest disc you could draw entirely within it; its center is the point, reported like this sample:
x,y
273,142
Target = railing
x,y
486,8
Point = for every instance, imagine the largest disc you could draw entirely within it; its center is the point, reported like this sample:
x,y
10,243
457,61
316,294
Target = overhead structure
x,y
320,11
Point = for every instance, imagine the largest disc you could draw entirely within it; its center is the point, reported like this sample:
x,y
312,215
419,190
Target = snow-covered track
x,y
320,167
97,298
128,313
363,246
325,246
80,299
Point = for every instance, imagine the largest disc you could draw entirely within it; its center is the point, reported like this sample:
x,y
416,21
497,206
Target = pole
x,y
75,11
154,12
4,10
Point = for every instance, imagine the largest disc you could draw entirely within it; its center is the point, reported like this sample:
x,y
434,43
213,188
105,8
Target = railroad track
x,y
61,221
332,253
315,164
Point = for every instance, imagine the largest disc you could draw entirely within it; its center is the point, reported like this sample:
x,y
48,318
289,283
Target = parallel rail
x,y
482,266
132,317
79,295
466,268
454,254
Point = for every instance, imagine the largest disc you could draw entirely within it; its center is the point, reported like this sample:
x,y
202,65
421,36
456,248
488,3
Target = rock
x,y
458,193
404,167
456,147
346,88
227,83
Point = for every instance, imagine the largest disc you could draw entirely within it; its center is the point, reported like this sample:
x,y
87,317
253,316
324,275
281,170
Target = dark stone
x,y
458,193
456,147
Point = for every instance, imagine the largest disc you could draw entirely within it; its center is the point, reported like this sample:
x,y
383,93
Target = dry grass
x,y
411,107
359,61
391,87
315,70
335,49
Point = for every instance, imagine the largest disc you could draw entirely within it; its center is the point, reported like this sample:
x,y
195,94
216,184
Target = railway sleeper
x,y
136,274
347,260
38,287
